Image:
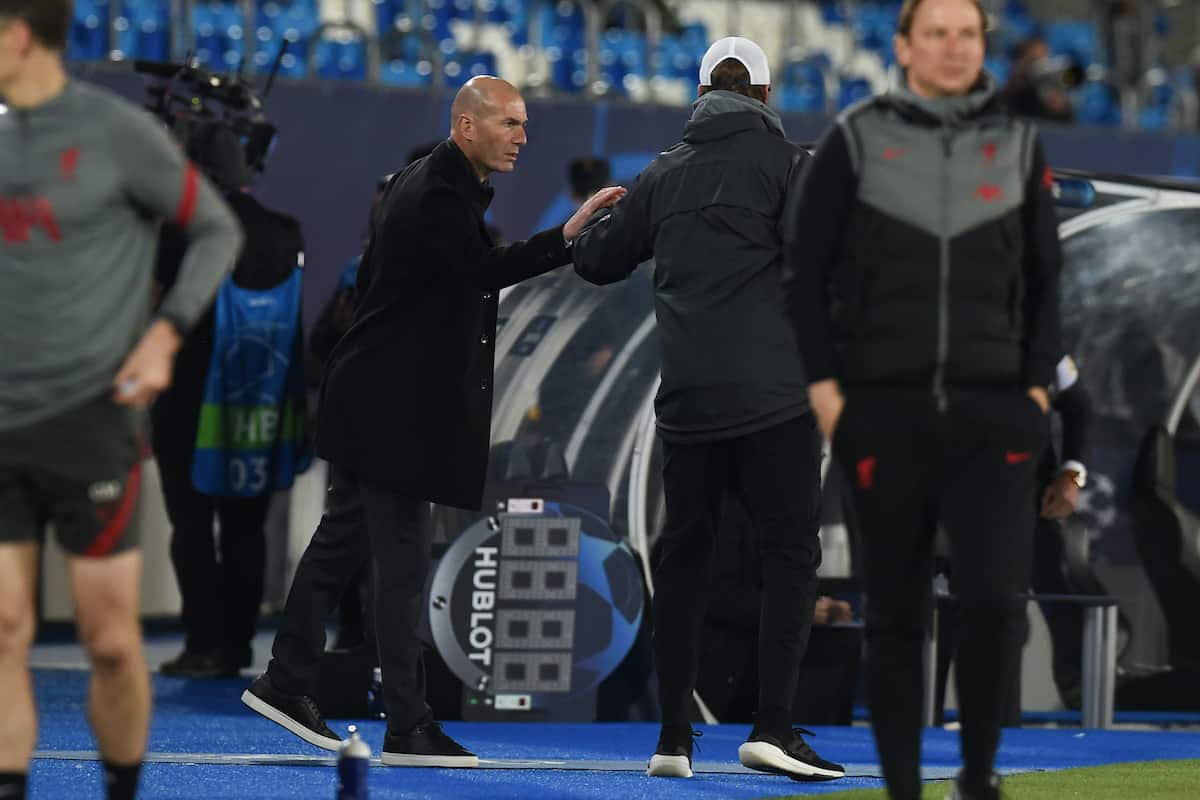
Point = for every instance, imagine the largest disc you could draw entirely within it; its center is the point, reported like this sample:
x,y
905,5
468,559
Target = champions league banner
x,y
532,608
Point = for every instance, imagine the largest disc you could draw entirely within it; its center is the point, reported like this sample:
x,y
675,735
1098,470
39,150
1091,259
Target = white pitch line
x,y
864,770
301,760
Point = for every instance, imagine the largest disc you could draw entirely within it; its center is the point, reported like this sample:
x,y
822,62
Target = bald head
x,y
479,96
487,122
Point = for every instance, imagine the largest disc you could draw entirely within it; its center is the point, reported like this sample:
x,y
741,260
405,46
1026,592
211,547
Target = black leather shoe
x,y
203,666
426,745
298,713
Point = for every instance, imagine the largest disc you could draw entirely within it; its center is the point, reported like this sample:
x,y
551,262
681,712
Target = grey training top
x,y
85,180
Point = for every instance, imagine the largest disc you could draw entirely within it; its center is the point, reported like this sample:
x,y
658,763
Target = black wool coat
x,y
406,402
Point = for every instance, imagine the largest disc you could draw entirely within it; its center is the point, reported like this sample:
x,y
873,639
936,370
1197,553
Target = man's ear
x,y
903,53
466,126
21,33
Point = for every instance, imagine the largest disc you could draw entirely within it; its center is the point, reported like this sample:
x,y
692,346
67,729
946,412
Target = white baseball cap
x,y
751,55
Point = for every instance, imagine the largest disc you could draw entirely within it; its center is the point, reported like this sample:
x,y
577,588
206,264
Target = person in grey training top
x,y
922,273
85,178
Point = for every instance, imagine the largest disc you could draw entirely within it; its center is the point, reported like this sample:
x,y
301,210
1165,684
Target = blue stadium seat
x,y
436,19
874,26
799,98
387,12
463,65
513,14
340,59
89,30
834,13
999,67
1155,115
677,58
562,39
407,47
294,21
1153,118
1079,40
406,73
1097,104
281,15
562,24
852,89
267,50
624,56
220,34
142,29
802,86
1018,23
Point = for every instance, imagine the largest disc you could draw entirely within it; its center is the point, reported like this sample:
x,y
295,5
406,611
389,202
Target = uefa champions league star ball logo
x,y
532,609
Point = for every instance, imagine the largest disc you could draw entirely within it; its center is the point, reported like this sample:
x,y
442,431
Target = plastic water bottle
x,y
353,757
1073,192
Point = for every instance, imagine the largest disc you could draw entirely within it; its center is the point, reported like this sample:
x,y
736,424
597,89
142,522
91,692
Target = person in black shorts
x,y
85,179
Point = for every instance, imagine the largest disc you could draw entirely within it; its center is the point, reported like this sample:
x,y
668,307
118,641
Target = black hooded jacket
x,y
708,211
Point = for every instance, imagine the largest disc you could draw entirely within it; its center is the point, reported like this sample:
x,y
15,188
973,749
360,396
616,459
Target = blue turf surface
x,y
208,718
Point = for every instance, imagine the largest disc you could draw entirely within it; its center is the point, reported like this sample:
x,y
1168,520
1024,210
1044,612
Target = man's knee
x,y
16,628
112,645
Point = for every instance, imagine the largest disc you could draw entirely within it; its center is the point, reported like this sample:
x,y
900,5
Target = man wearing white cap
x,y
732,410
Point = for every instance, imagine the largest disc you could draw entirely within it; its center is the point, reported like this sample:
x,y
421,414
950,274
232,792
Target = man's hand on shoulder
x,y
605,198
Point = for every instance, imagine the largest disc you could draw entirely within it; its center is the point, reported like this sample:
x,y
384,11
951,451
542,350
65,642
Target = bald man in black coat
x,y
405,414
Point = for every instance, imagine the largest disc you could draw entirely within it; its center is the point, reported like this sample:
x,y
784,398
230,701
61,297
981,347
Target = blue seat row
x,y
410,29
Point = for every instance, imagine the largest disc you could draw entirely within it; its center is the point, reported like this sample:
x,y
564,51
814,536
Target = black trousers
x,y
362,522
1064,622
220,576
776,474
973,468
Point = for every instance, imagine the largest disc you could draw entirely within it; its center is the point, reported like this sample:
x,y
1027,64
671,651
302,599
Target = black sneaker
x,y
990,790
197,665
787,754
298,713
673,756
426,745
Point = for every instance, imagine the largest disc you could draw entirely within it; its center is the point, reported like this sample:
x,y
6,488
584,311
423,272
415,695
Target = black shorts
x,y
80,470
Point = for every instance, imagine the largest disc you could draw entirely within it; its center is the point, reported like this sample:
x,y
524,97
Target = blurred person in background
x,y
1038,86
728,678
354,618
221,569
1061,476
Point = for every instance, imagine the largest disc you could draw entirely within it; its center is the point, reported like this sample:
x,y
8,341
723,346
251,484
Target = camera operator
x,y
1038,85
220,576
